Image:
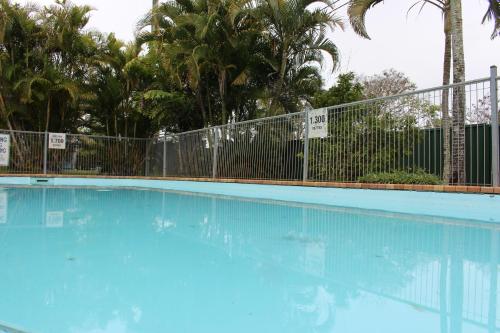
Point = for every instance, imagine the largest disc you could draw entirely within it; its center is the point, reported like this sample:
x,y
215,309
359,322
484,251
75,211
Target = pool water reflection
x,y
116,261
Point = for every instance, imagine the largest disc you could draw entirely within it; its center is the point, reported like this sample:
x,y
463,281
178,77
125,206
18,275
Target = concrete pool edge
x,y
451,205
365,186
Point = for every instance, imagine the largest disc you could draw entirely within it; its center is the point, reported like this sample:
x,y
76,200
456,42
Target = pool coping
x,y
364,186
470,205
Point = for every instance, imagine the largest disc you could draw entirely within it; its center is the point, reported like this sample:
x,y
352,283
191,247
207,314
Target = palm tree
x,y
296,36
200,38
446,92
178,47
56,75
444,6
458,129
68,52
358,9
246,51
20,40
452,13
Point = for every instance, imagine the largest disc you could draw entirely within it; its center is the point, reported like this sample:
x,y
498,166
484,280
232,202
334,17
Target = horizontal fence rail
x,y
450,132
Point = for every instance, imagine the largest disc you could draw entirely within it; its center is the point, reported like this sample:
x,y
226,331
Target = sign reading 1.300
x,y
318,123
317,119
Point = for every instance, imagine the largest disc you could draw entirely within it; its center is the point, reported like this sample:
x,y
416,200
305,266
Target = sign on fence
x,y
317,123
57,141
4,149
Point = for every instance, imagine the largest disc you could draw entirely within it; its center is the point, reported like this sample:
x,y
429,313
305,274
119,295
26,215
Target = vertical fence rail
x,y
305,175
45,150
164,159
215,152
148,157
495,165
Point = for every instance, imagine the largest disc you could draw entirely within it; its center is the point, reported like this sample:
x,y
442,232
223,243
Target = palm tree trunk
x,y
281,81
222,93
5,115
458,130
201,104
210,115
47,119
446,96
156,23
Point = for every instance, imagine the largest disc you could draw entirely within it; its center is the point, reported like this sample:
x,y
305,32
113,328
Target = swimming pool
x,y
153,260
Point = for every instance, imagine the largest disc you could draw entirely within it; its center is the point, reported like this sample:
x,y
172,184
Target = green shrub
x,y
401,177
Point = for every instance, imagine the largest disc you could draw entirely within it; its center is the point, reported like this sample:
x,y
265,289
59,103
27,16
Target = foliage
x,y
493,14
57,76
204,63
359,8
295,40
401,177
388,83
242,59
454,168
346,90
480,112
391,83
374,136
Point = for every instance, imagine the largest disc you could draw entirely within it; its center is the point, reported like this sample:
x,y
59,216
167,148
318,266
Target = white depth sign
x,y
57,141
4,149
317,123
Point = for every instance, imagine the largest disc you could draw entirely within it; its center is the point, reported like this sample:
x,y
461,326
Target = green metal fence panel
x,y
428,154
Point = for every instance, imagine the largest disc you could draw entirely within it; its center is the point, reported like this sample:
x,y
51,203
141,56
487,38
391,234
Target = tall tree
x,y
458,175
296,35
347,89
452,14
199,40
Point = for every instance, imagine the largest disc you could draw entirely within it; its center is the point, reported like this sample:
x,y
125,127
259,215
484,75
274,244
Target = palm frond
x,y
357,13
493,14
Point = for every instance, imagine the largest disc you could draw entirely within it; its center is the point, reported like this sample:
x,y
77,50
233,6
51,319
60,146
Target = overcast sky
x,y
412,44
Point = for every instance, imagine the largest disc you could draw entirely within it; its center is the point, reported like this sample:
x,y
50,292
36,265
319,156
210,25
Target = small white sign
x,y
3,206
4,149
317,123
54,219
57,141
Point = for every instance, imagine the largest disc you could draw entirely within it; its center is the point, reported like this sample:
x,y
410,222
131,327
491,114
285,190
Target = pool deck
x,y
364,186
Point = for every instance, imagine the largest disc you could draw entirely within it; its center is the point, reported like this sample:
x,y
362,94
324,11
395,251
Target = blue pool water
x,y
150,261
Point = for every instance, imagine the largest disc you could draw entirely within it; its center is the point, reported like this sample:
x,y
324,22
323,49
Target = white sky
x,y
412,44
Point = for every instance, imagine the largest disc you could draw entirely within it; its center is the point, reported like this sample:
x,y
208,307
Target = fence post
x,y
306,146
216,152
148,146
164,155
45,151
495,169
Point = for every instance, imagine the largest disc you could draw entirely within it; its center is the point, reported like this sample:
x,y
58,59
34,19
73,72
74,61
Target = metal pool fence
x,y
445,131
83,155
